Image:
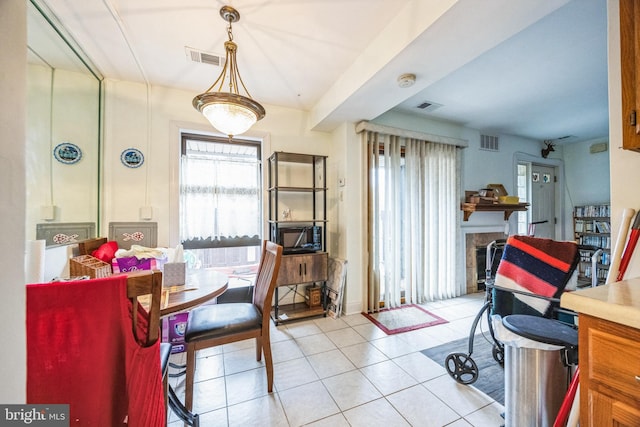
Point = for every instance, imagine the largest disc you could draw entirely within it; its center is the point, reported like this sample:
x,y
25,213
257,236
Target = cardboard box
x,y
312,296
174,273
127,264
173,328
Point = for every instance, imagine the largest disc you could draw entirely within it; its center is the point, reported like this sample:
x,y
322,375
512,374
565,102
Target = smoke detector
x,y
406,80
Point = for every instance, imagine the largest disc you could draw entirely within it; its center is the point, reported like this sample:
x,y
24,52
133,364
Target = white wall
x,y
13,97
351,214
587,175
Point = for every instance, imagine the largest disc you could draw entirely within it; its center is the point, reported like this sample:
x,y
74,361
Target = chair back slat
x,y
140,284
85,247
266,277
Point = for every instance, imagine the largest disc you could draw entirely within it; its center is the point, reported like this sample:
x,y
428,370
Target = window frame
x,y
230,243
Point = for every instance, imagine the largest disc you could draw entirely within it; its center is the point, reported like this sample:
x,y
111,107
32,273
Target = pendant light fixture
x,y
229,112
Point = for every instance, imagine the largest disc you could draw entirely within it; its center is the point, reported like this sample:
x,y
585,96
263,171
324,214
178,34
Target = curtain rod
x,y
388,130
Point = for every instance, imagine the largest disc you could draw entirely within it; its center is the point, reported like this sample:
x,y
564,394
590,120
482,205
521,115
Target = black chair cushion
x,y
165,353
218,320
233,295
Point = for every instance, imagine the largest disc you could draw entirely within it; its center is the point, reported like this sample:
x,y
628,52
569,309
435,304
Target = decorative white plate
x,y
67,153
132,158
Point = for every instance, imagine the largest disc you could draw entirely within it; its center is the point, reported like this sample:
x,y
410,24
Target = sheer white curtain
x,y
412,219
220,199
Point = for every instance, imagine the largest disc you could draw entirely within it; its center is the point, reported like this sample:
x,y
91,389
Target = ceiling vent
x,y
428,106
489,143
204,57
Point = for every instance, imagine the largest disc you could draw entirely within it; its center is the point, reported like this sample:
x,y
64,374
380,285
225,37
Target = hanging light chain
x,y
230,30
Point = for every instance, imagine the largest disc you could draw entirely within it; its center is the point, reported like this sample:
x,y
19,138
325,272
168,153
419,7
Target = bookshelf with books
x,y
592,232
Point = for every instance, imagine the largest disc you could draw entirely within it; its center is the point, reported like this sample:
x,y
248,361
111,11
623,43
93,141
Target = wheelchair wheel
x,y
461,368
498,354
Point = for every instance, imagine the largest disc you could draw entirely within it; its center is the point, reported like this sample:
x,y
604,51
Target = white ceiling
x,y
527,68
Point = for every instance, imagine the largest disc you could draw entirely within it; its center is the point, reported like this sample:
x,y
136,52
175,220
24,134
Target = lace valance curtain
x,y
220,201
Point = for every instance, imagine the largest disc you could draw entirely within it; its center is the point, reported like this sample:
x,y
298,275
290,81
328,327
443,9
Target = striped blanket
x,y
538,266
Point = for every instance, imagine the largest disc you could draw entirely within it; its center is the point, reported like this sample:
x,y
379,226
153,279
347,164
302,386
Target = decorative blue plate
x,y
67,153
132,158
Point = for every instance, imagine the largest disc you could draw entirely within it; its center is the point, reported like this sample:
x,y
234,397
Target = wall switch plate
x,y
341,182
146,212
48,213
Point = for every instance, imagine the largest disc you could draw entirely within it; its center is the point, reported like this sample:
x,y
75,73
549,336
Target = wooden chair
x,y
85,247
141,284
218,324
104,341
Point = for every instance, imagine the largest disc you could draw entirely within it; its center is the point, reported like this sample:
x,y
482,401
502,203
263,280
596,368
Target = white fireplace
x,y
475,237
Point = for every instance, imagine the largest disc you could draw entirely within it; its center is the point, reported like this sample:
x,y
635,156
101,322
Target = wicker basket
x,y
87,265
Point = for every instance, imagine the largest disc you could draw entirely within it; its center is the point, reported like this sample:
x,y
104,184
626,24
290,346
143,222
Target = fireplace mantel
x,y
508,209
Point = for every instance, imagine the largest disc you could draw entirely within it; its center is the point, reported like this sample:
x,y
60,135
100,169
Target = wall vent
x,y
428,106
204,57
489,143
600,147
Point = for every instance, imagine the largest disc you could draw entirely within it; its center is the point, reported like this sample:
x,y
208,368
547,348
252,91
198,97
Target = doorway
x,y
538,184
543,196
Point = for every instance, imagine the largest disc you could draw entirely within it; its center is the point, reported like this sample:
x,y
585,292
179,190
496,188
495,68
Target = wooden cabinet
x,y
308,271
630,77
609,373
307,268
591,229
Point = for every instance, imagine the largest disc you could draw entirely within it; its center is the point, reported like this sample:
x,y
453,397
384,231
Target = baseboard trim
x,y
352,308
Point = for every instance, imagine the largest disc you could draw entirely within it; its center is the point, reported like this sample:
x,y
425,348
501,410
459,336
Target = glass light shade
x,y
230,113
228,118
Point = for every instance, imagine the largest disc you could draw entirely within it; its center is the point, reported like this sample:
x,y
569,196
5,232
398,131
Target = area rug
x,y
403,319
490,374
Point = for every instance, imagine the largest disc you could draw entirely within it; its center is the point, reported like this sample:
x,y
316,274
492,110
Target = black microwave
x,y
304,239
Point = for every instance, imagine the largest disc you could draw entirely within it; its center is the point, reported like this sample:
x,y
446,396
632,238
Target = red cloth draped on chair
x,y
81,351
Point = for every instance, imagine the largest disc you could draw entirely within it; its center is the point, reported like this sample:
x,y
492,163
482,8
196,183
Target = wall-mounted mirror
x,y
64,109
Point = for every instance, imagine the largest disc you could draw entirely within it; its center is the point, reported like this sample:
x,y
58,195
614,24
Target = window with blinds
x,y
220,198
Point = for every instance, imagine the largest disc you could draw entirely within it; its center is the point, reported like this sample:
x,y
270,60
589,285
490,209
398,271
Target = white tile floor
x,y
342,372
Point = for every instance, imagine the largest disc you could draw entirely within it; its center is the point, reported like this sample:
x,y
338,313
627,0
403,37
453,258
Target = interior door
x,y
543,200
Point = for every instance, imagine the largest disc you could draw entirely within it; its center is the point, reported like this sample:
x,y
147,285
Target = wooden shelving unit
x,y
296,311
298,180
507,208
591,229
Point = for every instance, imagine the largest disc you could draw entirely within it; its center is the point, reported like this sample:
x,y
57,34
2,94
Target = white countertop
x,y
617,302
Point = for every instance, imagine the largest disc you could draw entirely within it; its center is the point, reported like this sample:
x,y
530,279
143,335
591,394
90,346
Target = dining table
x,y
201,286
